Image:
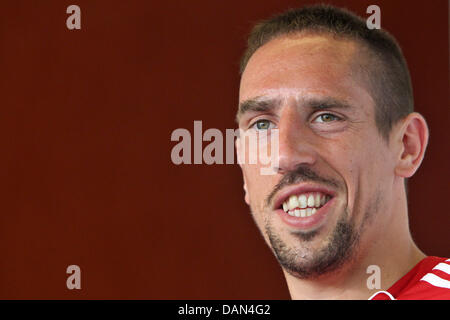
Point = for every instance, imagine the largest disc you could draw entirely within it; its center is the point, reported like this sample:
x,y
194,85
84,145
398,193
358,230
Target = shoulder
x,y
431,281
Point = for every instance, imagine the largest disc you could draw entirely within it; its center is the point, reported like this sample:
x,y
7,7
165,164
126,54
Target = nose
x,y
296,140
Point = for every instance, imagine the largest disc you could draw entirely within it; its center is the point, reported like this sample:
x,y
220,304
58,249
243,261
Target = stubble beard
x,y
303,263
338,249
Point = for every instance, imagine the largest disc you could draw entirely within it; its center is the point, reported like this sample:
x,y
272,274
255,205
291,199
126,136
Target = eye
x,y
262,125
326,117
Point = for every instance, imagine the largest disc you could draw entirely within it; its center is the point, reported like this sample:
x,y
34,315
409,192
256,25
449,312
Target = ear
x,y
239,158
413,139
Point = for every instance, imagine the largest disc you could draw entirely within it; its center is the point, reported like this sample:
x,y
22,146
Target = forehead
x,y
302,64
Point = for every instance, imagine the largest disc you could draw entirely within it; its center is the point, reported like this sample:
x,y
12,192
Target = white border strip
x,y
385,292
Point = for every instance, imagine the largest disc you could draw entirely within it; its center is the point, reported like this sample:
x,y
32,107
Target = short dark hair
x,y
388,76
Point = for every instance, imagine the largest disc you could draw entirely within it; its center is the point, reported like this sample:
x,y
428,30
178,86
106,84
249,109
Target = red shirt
x,y
428,280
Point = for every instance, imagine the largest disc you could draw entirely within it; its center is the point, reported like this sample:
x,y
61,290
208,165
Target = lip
x,y
303,188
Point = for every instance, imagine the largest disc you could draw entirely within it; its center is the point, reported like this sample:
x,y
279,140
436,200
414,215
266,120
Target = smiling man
x,y
340,97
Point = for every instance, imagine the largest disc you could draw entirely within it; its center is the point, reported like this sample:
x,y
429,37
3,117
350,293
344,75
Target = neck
x,y
393,254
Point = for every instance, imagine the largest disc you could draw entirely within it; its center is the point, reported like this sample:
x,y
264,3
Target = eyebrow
x,y
261,104
258,104
326,103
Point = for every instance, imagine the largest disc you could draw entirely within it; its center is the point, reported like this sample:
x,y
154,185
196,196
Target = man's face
x,y
334,170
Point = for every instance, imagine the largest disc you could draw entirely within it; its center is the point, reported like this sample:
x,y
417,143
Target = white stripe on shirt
x,y
436,281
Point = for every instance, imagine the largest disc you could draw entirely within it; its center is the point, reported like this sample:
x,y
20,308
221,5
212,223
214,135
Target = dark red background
x,y
86,175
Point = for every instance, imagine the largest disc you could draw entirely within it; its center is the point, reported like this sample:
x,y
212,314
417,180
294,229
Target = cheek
x,y
254,181
258,186
255,195
365,167
374,158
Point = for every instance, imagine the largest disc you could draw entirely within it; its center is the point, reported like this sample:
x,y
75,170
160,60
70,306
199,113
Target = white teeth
x,y
302,212
311,201
302,201
317,199
293,202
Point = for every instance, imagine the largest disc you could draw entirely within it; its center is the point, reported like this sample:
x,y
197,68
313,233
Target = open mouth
x,y
304,204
